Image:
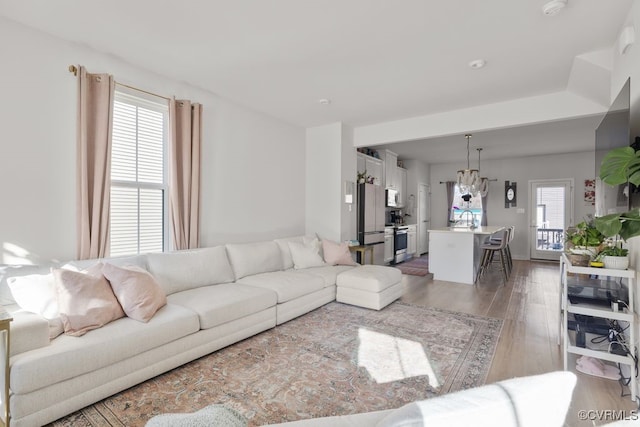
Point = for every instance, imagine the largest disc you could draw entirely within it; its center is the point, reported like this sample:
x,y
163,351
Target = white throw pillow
x,y
35,293
305,256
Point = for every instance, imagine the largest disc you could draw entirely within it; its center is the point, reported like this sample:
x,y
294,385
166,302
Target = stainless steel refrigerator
x,y
371,219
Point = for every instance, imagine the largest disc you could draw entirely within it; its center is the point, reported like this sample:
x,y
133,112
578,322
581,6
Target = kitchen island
x,y
454,252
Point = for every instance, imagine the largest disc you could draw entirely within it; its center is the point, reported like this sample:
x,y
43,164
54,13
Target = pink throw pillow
x,y
137,291
337,253
85,300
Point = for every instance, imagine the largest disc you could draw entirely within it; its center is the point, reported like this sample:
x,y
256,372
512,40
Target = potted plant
x,y
620,166
362,177
614,256
583,241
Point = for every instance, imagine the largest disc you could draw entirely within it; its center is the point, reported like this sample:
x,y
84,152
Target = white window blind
x,y
550,201
138,208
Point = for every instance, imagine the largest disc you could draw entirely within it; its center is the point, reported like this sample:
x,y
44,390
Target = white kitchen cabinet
x,y
388,245
373,167
390,169
401,182
412,240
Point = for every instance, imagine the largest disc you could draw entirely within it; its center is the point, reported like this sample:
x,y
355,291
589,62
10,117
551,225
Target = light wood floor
x,y
528,304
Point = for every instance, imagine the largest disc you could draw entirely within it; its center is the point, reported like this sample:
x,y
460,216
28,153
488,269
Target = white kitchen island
x,y
454,252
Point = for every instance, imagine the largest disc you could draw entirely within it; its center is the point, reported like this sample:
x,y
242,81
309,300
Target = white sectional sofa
x,y
215,297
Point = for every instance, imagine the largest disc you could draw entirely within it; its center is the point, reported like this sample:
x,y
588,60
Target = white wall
x,y
330,161
323,176
253,181
348,228
579,166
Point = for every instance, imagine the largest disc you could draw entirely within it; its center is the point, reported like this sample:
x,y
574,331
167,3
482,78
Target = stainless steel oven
x,y
400,243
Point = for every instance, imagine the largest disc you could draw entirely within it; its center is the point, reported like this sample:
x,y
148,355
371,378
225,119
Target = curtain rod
x,y
490,180
74,70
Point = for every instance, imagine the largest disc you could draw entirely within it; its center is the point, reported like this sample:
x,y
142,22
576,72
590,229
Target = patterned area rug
x,y
336,360
415,267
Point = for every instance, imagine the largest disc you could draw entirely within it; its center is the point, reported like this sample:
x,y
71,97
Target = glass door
x,y
551,212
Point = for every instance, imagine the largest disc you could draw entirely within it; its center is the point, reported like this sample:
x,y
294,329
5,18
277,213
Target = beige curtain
x,y
95,114
184,190
484,193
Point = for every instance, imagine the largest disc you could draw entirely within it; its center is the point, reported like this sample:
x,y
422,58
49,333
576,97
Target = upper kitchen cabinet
x,y
401,181
390,169
372,166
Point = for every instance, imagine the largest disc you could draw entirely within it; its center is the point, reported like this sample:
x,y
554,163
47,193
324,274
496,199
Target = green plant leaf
x,y
609,225
621,165
630,224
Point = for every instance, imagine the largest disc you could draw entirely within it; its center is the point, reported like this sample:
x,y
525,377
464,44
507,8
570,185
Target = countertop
x,y
487,229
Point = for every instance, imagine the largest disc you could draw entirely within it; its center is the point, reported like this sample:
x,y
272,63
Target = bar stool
x,y
496,239
489,248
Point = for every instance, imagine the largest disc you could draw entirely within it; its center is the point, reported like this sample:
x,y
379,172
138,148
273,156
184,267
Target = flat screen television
x,y
613,132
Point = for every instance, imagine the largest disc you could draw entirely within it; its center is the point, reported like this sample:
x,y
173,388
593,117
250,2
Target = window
x,y
139,206
464,212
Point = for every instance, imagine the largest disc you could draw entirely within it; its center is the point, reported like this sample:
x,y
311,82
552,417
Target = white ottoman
x,y
369,286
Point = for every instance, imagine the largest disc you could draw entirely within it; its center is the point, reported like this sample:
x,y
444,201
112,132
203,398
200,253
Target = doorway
x,y
550,213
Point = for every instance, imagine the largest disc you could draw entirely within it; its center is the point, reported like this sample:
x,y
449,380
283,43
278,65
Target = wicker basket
x,y
579,260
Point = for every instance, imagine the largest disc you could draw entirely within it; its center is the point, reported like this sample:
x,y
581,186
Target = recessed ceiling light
x,y
478,63
554,7
324,101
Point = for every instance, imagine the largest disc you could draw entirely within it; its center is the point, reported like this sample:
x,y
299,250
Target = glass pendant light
x,y
468,179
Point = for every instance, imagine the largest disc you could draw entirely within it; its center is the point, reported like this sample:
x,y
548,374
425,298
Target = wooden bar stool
x,y
496,243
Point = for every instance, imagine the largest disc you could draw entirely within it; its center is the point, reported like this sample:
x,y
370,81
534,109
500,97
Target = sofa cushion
x,y
83,264
182,270
287,261
254,258
85,300
337,253
223,303
35,293
136,290
28,331
305,255
539,400
372,278
9,271
68,357
329,273
288,285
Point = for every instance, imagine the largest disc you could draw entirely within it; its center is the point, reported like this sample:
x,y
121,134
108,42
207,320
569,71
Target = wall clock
x,y
510,194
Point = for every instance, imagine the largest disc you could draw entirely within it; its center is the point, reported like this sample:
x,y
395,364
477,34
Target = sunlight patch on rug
x,y
388,358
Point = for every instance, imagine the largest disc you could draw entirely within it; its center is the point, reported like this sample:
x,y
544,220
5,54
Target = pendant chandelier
x,y
468,179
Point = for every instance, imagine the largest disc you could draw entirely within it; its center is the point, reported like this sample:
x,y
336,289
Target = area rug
x,y
336,360
415,267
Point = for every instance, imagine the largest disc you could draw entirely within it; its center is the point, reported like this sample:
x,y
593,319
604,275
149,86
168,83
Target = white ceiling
x,y
376,60
559,137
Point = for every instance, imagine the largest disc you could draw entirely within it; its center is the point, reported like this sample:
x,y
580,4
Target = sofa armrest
x,y
28,332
